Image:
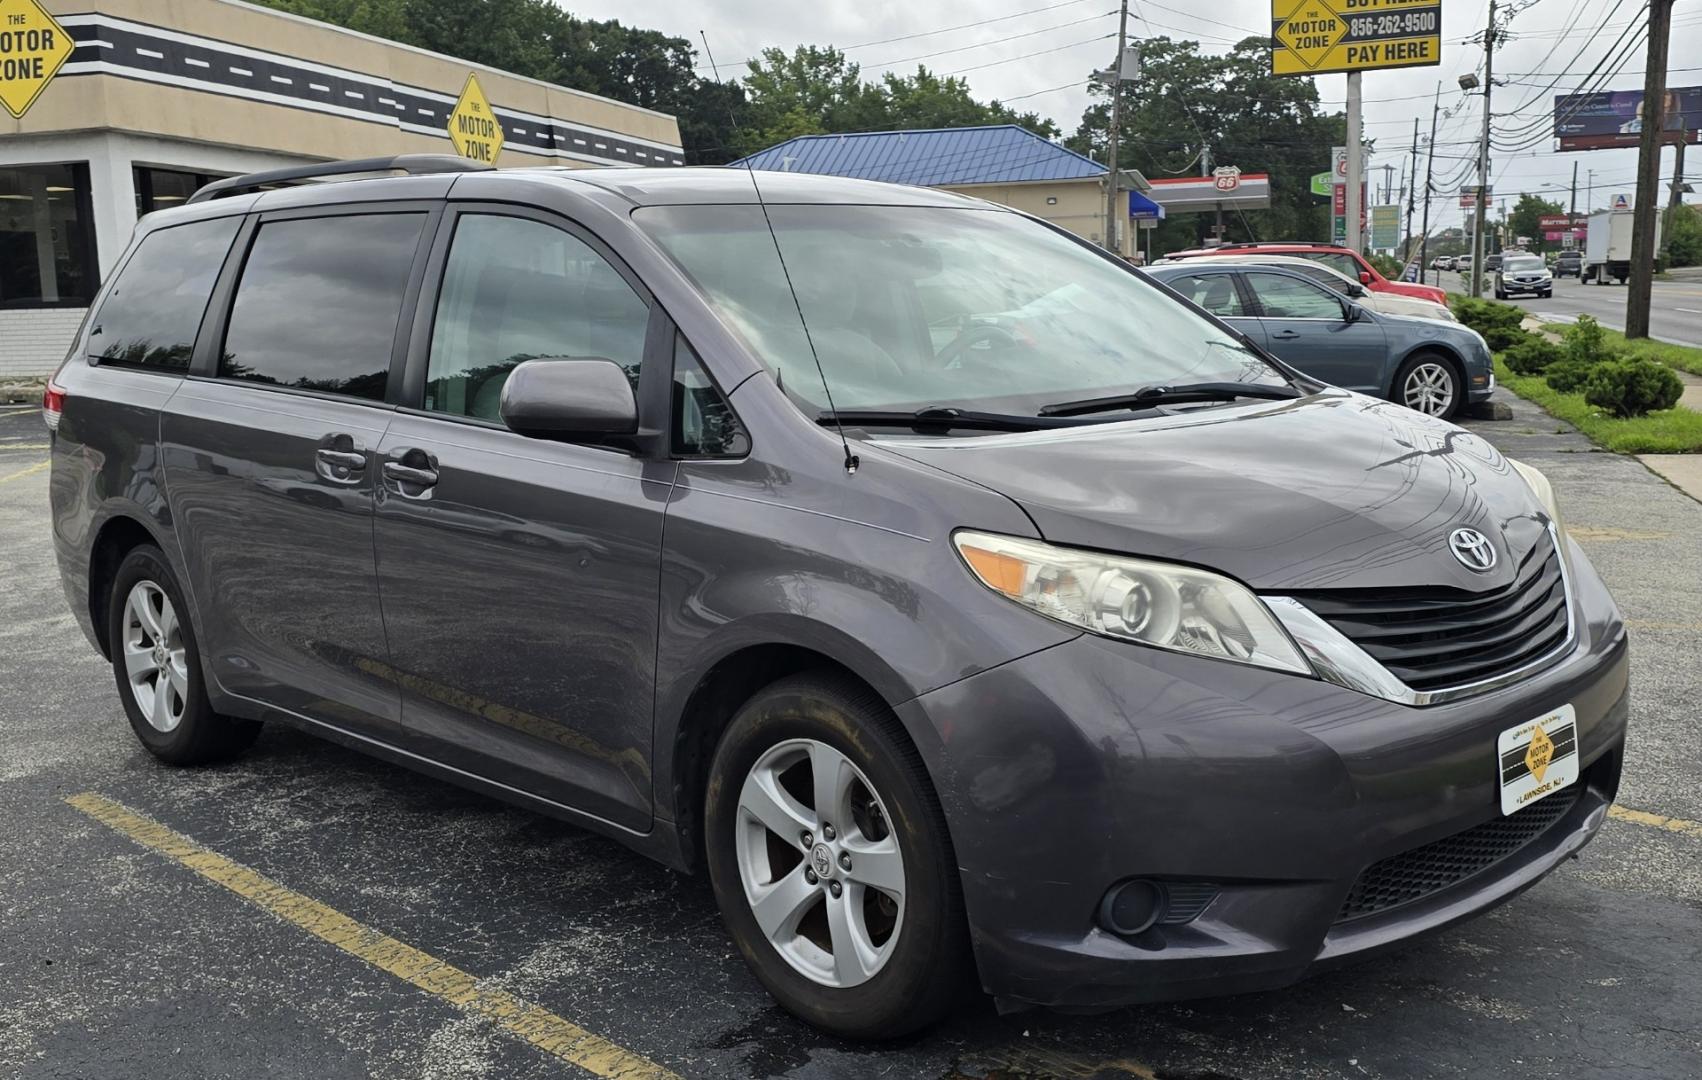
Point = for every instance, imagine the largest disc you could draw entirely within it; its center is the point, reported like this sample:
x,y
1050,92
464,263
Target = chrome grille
x,y
1435,638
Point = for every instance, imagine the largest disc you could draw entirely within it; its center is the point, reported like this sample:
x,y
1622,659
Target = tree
x,y
1684,240
1526,219
1186,101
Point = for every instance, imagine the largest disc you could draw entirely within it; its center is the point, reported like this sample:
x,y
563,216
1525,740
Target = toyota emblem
x,y
1472,549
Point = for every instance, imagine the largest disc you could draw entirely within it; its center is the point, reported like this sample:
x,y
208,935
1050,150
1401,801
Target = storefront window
x,y
158,189
47,246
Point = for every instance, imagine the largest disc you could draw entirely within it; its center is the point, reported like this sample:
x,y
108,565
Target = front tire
x,y
1428,383
829,857
157,664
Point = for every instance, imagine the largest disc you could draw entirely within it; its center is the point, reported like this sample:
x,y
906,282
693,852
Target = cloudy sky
x,y
1035,54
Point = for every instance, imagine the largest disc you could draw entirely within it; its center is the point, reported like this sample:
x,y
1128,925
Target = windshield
x,y
909,307
1522,262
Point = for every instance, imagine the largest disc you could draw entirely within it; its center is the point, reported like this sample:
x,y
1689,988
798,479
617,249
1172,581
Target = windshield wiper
x,y
946,418
1148,396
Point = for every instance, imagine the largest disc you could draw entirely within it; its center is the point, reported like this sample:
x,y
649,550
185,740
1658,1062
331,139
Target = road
x,y
404,929
1675,307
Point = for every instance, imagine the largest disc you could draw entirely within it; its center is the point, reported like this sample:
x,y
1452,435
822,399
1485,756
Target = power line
x,y
986,44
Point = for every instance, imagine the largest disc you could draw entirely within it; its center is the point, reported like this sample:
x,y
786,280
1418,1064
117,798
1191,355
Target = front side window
x,y
1291,298
909,307
1214,292
153,311
47,246
515,290
318,303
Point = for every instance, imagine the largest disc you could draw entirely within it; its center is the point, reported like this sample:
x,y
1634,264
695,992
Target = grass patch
x,y
1681,357
1673,431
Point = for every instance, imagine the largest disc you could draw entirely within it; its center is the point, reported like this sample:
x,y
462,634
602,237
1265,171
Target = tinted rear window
x,y
318,303
151,316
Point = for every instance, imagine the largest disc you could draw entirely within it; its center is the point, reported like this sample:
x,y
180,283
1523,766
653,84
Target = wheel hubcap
x,y
832,908
155,662
1429,389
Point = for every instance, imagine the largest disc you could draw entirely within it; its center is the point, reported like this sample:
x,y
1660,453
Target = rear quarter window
x,y
150,317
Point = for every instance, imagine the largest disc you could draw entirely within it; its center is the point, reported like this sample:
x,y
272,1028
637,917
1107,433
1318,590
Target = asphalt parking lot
x,y
308,912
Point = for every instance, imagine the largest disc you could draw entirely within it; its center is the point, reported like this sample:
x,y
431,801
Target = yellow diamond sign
x,y
473,128
32,49
1541,752
1313,28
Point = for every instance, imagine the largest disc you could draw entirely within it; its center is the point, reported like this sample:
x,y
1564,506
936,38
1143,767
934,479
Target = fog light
x,y
1132,907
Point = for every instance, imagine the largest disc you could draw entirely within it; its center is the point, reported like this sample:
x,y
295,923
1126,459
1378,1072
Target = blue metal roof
x,y
1000,154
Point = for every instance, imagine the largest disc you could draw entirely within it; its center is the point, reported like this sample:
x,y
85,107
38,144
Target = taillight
x,y
52,404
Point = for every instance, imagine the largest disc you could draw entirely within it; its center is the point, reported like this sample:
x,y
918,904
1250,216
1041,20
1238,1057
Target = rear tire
x,y
860,960
157,665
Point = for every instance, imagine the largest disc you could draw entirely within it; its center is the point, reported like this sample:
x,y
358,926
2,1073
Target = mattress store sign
x,y
33,47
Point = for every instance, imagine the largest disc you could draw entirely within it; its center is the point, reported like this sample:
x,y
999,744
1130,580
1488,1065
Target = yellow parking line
x,y
557,1037
8,447
1655,821
37,467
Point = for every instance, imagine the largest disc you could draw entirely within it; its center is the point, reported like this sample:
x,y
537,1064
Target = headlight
x,y
1152,603
1544,492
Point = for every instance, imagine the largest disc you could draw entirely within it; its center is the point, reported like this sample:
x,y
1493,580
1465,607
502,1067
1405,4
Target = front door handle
x,y
1286,335
409,474
343,459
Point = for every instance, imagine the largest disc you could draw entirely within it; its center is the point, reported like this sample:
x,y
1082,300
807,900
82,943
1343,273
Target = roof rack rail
x,y
1275,243
410,164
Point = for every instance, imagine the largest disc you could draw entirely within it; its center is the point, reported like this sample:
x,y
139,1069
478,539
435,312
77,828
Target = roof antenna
x,y
851,460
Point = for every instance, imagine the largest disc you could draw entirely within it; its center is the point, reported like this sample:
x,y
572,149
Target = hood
x,y
1423,292
1331,491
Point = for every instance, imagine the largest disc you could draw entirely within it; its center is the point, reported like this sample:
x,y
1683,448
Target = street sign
x,y
1311,37
1385,227
33,47
1468,196
1322,182
473,128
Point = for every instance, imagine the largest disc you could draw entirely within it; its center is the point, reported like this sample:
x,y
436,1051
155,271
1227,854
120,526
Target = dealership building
x,y
156,98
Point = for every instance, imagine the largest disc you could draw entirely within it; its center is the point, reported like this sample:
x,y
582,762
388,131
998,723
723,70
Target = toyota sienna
x,y
965,603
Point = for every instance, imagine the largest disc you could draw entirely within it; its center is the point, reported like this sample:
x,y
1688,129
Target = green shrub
x,y
1531,356
1483,315
1633,387
1584,341
1568,376
1502,338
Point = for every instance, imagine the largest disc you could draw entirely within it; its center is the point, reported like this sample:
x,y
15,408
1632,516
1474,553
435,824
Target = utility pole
x,y
1113,173
1677,199
1483,154
1429,171
1353,204
1648,171
1590,193
1412,197
1573,209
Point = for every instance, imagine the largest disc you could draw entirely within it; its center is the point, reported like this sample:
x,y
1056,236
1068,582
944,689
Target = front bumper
x,y
1093,762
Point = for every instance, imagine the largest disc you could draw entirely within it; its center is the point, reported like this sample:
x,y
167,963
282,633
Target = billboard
x,y
1311,37
1612,118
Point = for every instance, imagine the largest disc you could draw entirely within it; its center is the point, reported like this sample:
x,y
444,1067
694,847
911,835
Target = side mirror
x,y
1352,313
1355,291
569,398
1364,278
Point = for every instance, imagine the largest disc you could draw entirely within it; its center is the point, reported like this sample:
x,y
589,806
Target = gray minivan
x,y
966,604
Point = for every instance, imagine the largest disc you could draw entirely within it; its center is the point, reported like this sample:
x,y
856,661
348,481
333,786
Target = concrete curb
x,y
22,392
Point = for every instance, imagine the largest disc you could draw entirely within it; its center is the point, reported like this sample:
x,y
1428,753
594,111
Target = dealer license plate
x,y
1537,758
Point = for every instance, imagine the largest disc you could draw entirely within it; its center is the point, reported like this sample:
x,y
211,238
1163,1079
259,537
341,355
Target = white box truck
x,y
1607,246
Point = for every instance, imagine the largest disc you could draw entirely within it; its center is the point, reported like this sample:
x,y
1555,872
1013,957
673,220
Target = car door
x,y
519,575
268,453
1216,292
1309,326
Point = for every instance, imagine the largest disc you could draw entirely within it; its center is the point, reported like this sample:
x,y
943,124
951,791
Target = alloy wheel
x,y
1429,388
155,661
819,864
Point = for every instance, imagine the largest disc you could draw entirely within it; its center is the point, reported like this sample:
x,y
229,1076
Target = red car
x,y
1343,259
